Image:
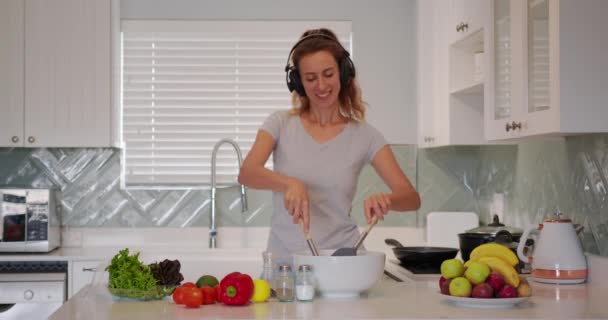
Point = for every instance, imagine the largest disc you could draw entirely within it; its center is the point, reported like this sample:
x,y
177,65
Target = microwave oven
x,y
29,220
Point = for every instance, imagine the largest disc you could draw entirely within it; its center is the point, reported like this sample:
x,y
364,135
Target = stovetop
x,y
398,270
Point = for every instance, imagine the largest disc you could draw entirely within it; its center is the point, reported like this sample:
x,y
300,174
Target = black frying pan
x,y
430,257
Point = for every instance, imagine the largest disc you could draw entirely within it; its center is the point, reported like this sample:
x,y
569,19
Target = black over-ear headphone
x,y
345,64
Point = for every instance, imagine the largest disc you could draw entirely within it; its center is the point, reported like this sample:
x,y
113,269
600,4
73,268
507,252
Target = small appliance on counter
x,y
29,221
558,254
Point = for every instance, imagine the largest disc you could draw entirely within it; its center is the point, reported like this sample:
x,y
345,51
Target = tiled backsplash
x,y
536,178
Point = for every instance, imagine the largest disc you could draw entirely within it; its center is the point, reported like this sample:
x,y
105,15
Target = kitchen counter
x,y
388,300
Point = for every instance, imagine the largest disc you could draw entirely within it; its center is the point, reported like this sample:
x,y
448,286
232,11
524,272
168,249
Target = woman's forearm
x,y
258,177
405,201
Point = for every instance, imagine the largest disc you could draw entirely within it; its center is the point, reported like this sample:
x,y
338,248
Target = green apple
x,y
477,272
452,268
460,287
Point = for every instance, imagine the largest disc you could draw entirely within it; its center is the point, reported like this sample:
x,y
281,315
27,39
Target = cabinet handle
x,y
465,26
15,139
89,269
31,139
459,27
516,125
508,127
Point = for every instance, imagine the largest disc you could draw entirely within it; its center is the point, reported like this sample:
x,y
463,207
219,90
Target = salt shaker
x,y
305,283
285,284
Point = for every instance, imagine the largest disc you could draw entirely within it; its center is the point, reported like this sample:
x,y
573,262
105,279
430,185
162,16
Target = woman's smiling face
x,y
321,79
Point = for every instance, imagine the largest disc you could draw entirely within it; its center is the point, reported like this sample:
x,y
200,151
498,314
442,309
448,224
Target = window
x,y
188,84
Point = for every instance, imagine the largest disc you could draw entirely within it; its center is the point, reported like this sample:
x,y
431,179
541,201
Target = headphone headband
x,y
310,36
345,64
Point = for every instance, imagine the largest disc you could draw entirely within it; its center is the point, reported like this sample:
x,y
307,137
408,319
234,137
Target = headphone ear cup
x,y
347,71
295,83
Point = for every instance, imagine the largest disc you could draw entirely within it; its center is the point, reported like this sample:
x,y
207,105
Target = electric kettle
x,y
558,255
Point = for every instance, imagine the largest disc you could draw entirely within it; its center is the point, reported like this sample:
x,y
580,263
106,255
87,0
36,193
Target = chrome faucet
x,y
212,224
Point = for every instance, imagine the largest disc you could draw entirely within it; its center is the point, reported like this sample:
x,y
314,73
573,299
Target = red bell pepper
x,y
236,289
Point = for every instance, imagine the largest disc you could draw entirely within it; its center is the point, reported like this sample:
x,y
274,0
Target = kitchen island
x,y
387,300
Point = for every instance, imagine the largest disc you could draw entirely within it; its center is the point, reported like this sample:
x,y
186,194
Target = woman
x,y
319,149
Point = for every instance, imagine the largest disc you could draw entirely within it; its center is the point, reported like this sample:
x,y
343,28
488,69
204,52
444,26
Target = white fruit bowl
x,y
343,276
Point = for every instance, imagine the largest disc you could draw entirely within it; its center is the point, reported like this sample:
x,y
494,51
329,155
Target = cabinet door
x,y
467,18
504,66
11,73
82,273
539,114
67,73
433,104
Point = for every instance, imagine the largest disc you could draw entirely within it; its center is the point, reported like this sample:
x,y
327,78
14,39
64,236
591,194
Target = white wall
x,y
384,44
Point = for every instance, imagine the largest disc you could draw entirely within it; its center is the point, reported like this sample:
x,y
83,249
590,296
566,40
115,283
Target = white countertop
x,y
388,300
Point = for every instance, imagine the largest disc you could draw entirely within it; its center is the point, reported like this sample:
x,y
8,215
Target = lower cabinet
x,y
82,272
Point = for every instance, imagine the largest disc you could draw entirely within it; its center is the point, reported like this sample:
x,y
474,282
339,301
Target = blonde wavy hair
x,y
352,106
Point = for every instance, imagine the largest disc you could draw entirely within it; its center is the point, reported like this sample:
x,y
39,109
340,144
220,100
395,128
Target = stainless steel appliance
x,y
32,289
29,221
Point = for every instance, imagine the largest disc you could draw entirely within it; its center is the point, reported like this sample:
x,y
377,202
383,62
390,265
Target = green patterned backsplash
x,y
537,179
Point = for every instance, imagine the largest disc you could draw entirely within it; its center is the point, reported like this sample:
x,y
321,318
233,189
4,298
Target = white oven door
x,y
31,295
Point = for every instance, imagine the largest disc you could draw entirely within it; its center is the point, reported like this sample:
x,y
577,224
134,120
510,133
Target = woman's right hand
x,y
296,202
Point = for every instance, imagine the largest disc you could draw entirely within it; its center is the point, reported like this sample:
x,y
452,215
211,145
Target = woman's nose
x,y
321,84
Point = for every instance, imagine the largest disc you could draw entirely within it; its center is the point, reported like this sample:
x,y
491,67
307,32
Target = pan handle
x,y
393,242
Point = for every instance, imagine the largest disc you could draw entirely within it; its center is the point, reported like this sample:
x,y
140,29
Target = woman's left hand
x,y
377,205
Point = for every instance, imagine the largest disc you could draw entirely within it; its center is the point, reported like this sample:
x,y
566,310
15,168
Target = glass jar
x,y
285,284
305,283
268,272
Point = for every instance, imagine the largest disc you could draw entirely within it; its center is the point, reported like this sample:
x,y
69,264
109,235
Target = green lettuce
x,y
128,272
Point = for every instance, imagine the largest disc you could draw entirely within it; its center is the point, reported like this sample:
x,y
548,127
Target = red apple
x,y
496,281
507,292
444,285
483,290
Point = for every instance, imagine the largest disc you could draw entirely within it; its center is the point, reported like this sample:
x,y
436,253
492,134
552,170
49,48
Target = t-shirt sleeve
x,y
376,142
273,124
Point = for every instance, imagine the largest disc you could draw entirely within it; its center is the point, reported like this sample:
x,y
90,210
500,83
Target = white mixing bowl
x,y
344,276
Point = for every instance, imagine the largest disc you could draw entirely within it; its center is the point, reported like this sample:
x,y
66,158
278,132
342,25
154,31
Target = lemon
x,y
261,290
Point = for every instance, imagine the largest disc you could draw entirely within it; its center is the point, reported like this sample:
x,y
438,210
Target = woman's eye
x,y
329,75
310,79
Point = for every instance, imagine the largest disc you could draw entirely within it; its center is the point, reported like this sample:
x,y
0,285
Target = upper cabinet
x,y
451,74
60,91
11,72
467,17
548,70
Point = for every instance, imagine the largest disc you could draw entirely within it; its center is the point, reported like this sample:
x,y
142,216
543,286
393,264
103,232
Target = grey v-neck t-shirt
x,y
329,170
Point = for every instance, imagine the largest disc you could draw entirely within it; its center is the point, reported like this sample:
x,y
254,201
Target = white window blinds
x,y
188,84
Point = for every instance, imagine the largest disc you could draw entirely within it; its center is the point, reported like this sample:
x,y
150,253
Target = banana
x,y
494,250
507,271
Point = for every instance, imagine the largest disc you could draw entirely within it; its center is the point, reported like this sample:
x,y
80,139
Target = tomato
x,y
189,284
209,294
218,292
193,297
178,295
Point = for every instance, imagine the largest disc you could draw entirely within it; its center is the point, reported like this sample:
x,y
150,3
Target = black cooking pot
x,y
493,232
421,257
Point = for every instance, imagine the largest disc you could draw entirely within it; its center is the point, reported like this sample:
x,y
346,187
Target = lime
x,y
207,280
261,290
